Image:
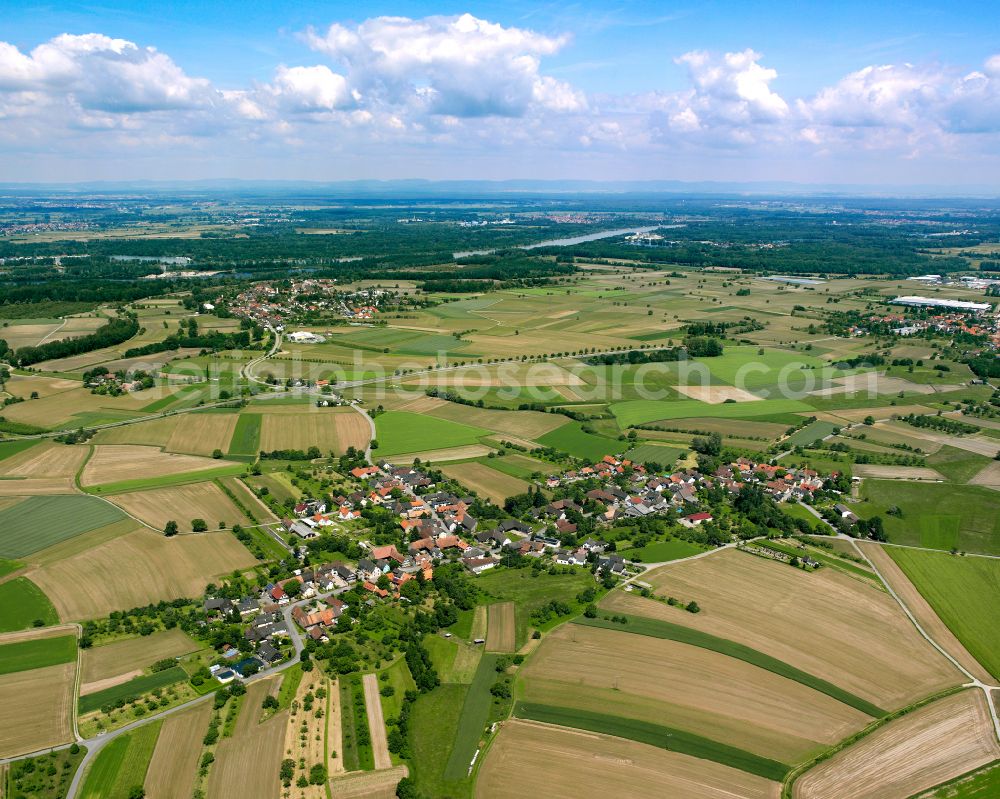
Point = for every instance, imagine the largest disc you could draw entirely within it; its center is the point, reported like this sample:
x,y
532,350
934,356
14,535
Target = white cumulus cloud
x,y
101,73
315,88
458,66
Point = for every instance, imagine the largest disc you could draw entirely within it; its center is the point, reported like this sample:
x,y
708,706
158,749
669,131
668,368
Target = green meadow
x,y
41,521
120,768
571,438
964,592
37,653
935,515
22,604
400,432
632,412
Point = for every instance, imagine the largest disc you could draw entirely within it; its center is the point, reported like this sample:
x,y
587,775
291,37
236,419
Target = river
x,y
603,234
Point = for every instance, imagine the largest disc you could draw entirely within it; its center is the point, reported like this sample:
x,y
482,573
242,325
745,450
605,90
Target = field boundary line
x,y
692,637
671,739
789,781
956,780
941,551
77,478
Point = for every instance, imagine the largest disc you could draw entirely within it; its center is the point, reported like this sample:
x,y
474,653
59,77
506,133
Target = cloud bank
x,y
458,88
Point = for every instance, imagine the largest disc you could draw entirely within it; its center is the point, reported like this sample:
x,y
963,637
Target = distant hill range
x,y
482,189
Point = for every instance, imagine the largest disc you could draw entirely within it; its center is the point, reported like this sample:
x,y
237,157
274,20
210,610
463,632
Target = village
x,y
440,528
309,300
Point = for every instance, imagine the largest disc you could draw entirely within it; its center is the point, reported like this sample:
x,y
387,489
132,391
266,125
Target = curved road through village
x,y
96,743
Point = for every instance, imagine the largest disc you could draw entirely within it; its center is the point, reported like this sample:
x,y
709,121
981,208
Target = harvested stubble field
x,y
573,763
825,623
697,690
376,722
329,429
202,433
35,709
174,765
23,385
936,743
250,712
137,569
59,409
715,395
246,765
978,444
121,657
113,463
500,627
368,784
486,482
37,486
533,374
47,459
182,503
154,433
988,476
527,424
897,472
437,455
420,404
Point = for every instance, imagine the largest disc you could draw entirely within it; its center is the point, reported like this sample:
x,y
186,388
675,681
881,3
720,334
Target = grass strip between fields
x,y
640,625
246,435
37,653
132,688
163,481
472,721
289,687
668,738
356,738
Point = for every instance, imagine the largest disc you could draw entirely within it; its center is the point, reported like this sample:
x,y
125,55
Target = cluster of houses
x,y
117,383
779,482
970,320
439,524
267,305
642,494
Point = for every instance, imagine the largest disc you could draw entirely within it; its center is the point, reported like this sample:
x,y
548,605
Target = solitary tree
x,y
170,529
199,525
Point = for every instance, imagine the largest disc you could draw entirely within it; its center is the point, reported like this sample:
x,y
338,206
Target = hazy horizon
x,y
859,95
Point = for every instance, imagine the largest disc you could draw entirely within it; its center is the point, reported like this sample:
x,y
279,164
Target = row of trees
x,y
114,332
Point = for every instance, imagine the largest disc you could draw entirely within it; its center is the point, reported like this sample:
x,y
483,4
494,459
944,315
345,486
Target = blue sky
x,y
860,92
